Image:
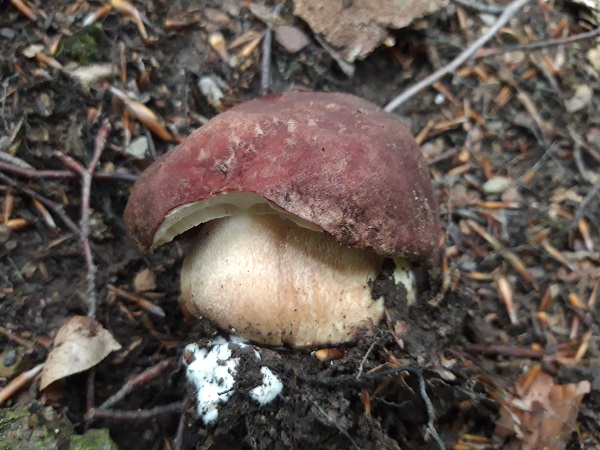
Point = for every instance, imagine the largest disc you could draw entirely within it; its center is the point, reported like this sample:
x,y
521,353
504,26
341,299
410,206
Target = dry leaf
x,y
355,28
88,75
541,414
80,344
145,280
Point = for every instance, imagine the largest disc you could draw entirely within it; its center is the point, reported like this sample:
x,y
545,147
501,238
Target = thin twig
x,y
9,160
181,426
265,63
480,7
509,351
86,187
341,429
55,207
142,379
587,200
509,12
19,383
587,35
90,398
430,410
362,363
63,174
5,85
139,414
18,339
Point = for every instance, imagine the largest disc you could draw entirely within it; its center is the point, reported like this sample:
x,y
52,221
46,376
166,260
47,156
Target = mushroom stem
x,y
271,281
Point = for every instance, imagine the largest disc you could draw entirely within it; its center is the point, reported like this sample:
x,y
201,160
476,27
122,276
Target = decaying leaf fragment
x,y
80,344
356,27
541,414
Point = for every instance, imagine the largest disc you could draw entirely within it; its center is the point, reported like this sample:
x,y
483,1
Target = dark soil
x,y
443,366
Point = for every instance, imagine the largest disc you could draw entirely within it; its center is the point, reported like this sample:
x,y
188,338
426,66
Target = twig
x,y
265,63
142,379
396,371
486,52
430,410
362,363
511,257
19,383
63,174
86,187
13,337
5,85
587,200
504,350
141,301
55,207
140,414
10,160
341,429
86,184
509,12
480,7
181,426
89,396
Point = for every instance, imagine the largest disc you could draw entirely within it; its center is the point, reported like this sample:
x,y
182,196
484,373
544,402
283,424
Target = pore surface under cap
x,y
334,160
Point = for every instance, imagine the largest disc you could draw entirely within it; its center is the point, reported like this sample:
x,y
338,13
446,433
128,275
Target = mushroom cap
x,y
329,161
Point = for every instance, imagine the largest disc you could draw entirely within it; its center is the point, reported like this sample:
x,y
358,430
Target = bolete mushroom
x,y
303,196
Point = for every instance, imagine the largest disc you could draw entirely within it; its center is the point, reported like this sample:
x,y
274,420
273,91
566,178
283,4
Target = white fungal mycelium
x,y
212,371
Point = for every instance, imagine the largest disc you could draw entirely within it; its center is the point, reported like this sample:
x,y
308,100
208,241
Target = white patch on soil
x,y
212,372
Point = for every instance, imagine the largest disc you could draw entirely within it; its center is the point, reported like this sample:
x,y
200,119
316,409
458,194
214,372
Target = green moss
x,y
97,439
82,48
36,427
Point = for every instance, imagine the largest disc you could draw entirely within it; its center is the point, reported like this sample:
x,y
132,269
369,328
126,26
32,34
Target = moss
x,y
82,48
97,439
36,427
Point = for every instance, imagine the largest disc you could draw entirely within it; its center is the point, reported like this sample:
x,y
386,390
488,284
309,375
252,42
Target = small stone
x,y
292,39
496,185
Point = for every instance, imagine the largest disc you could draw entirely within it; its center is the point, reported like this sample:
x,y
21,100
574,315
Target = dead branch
x,y
142,379
140,414
63,174
86,183
585,36
509,12
19,383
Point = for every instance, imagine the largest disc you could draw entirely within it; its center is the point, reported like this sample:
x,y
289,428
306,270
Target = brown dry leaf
x,y
355,28
541,414
142,113
80,344
144,280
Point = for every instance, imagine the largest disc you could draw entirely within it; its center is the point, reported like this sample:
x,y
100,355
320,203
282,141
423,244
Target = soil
x,y
444,367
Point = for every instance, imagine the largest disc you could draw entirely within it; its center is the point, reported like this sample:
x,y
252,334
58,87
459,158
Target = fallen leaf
x,y
541,414
88,75
80,344
355,28
581,98
144,280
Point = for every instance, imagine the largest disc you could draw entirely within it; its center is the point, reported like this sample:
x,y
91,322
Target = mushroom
x,y
303,197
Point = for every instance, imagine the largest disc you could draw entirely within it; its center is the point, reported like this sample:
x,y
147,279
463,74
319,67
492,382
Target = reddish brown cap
x,y
333,160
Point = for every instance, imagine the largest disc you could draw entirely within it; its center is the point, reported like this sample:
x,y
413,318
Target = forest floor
x,y
502,349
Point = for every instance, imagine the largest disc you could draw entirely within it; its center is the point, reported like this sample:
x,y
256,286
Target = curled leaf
x,y
80,344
